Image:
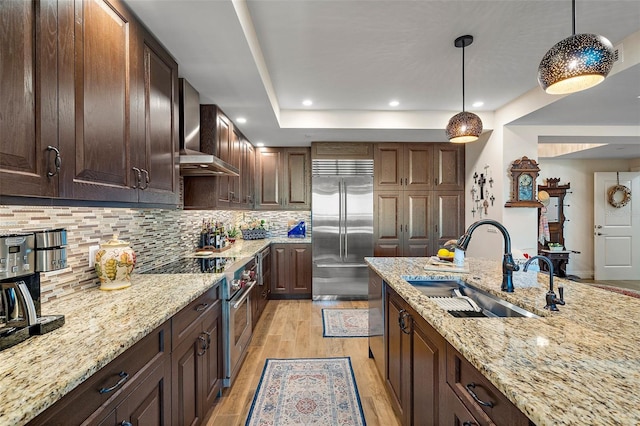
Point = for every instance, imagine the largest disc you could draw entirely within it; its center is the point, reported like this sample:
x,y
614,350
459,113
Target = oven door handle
x,y
243,296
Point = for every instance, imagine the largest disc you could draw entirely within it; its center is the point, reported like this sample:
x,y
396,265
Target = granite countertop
x,y
580,365
99,326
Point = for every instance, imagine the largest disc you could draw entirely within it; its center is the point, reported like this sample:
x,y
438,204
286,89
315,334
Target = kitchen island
x,y
99,326
580,365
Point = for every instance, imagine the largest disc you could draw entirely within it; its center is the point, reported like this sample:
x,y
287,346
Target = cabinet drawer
x,y
183,320
121,374
466,382
456,414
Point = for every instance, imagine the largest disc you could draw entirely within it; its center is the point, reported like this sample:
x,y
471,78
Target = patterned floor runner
x,y
345,322
620,290
307,391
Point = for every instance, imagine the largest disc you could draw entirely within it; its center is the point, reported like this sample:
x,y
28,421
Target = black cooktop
x,y
192,266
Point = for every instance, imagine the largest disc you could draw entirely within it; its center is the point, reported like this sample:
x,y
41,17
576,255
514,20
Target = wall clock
x,y
524,172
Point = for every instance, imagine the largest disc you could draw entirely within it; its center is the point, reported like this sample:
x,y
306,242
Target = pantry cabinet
x,y
418,198
283,178
291,271
418,166
100,114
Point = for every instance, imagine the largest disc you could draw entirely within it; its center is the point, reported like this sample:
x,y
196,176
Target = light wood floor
x,y
293,329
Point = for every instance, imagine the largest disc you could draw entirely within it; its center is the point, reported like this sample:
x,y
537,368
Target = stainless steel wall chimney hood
x,y
192,161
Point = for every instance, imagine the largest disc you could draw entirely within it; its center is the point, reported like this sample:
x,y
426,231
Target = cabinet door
x,y
398,351
97,95
418,166
388,223
235,189
449,163
186,385
157,158
150,402
428,352
376,321
212,358
300,268
388,161
418,233
279,269
268,191
448,214
248,174
224,136
29,107
297,179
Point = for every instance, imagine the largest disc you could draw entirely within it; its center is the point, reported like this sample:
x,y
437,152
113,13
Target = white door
x,y
616,229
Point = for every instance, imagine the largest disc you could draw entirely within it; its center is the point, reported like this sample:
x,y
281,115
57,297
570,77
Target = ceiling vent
x,y
618,54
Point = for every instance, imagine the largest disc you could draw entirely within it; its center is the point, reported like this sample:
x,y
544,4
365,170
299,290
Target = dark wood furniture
x,y
261,293
429,382
342,150
220,136
418,197
283,179
291,271
524,172
98,121
196,359
136,386
556,219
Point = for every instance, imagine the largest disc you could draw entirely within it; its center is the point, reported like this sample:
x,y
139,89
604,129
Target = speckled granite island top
x,y
580,365
99,326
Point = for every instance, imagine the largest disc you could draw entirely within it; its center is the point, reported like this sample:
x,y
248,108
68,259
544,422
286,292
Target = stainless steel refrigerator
x,y
342,219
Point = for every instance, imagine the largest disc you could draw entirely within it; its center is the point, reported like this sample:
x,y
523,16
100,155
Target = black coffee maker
x,y
22,258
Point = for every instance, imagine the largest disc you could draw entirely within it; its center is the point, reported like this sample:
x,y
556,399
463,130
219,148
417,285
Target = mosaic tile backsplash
x,y
157,236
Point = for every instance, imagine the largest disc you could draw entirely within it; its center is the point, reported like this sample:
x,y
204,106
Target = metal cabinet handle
x,y
468,423
402,316
201,307
203,345
470,388
208,339
125,423
57,161
146,179
123,378
138,177
600,233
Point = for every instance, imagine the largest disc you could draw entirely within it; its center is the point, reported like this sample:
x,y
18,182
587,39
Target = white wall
x,y
578,230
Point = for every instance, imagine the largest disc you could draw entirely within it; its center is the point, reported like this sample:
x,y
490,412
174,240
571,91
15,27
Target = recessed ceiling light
x,y
477,104
260,144
307,102
394,103
241,120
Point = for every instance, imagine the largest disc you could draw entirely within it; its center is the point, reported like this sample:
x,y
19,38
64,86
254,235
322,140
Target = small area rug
x,y
625,291
345,322
306,391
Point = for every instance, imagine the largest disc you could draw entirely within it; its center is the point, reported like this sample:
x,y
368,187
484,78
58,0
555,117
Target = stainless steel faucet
x,y
550,297
508,264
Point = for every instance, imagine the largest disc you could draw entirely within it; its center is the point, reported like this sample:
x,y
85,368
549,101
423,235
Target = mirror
x,y
553,210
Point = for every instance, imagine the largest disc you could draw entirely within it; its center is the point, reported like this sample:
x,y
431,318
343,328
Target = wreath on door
x,y
617,201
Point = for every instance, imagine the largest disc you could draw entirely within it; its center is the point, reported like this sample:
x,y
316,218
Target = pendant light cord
x,y
573,10
463,78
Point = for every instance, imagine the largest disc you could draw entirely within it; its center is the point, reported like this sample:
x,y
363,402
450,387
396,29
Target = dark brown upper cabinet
x,y
100,110
283,179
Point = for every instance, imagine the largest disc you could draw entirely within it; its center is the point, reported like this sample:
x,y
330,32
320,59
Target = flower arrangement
x,y
255,224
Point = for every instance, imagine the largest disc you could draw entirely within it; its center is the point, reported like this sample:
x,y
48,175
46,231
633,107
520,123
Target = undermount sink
x,y
463,300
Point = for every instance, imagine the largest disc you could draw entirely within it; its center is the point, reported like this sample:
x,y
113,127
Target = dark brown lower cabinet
x,y
415,363
133,388
291,270
197,363
430,383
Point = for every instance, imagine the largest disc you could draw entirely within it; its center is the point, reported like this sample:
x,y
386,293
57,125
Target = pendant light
x,y
575,63
464,126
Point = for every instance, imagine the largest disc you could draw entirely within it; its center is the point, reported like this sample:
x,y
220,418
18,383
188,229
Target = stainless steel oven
x,y
236,311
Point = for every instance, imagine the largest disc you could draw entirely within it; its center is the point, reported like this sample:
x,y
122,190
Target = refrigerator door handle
x,y
344,215
340,217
